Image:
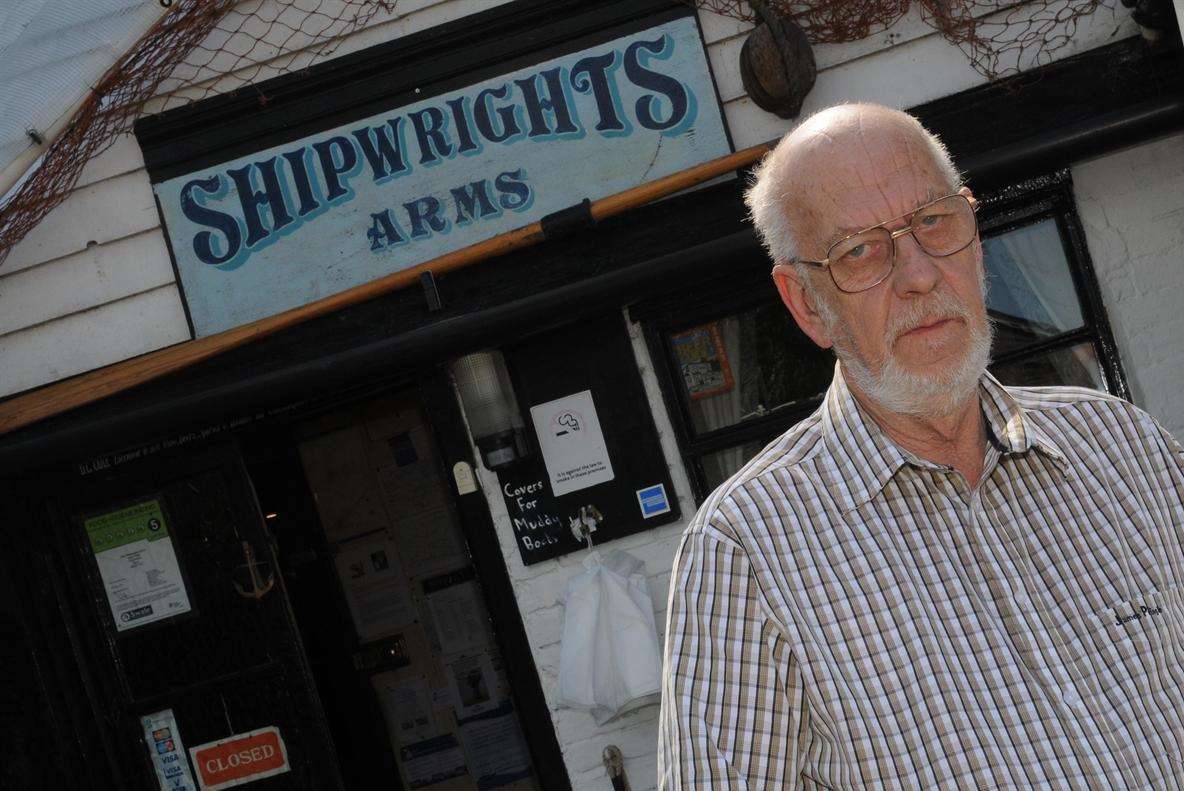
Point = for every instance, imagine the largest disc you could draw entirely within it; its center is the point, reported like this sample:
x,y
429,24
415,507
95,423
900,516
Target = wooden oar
x,y
68,394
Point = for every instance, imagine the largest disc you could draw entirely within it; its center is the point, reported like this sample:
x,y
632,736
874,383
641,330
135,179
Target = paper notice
x,y
432,761
495,747
572,443
406,705
459,618
343,484
474,685
376,588
138,565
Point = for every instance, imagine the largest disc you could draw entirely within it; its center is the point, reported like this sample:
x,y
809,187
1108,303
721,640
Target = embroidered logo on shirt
x,y
1140,612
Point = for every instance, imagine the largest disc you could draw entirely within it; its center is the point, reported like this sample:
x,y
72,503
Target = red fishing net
x,y
199,47
1000,37
196,48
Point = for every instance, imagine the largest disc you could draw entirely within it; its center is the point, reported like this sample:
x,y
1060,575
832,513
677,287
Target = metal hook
x,y
585,522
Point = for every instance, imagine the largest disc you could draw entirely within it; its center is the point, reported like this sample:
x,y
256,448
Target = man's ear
x,y
801,305
978,244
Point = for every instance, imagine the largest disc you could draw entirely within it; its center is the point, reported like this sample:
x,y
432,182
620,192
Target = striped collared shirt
x,y
844,614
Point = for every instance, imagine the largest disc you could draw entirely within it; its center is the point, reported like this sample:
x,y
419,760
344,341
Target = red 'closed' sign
x,y
240,759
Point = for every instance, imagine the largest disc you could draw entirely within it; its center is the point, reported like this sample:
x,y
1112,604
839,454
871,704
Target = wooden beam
x,y
54,399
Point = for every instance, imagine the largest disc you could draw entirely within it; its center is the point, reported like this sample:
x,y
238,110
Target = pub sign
x,y
287,225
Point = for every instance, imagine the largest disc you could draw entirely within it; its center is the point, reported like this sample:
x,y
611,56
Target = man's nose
x,y
917,272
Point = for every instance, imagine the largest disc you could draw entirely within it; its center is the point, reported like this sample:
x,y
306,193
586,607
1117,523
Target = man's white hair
x,y
770,188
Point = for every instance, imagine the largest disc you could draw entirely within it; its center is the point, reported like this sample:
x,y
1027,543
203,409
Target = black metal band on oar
x,y
54,399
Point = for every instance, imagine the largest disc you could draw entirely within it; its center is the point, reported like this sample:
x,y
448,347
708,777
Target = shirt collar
x,y
865,458
1011,425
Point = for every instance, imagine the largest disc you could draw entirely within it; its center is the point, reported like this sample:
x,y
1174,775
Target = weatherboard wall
x,y
105,240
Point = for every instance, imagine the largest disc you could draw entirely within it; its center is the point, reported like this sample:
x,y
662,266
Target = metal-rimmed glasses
x,y
865,259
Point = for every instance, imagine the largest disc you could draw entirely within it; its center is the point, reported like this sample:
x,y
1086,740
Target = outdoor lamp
x,y
490,407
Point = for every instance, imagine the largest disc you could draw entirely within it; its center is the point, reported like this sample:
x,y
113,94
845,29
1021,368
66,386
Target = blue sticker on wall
x,y
653,500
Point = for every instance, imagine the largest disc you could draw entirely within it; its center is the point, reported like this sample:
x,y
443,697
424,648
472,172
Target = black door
x,y
172,597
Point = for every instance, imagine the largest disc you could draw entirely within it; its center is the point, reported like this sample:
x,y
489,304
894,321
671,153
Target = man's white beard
x,y
929,394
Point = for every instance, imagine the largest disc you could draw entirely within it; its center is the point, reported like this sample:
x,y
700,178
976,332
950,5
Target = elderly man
x,y
934,581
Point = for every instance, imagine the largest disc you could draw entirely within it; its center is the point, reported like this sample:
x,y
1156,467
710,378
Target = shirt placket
x,y
1005,565
992,569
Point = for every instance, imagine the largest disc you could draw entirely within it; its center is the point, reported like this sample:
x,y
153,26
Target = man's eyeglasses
x,y
865,259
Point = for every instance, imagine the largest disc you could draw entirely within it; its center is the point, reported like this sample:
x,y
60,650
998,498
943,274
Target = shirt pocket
x,y
1129,669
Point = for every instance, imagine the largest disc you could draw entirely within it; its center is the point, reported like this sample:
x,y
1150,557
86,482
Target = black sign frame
x,y
596,355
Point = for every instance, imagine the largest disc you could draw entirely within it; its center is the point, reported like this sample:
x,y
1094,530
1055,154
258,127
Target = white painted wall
x,y
1131,204
92,284
539,590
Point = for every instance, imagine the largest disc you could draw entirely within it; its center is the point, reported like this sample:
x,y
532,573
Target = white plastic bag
x,y
609,660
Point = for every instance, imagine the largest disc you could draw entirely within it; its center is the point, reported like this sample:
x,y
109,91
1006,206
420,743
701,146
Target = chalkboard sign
x,y
597,458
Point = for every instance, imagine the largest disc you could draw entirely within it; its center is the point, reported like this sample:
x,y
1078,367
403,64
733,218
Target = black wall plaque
x,y
596,355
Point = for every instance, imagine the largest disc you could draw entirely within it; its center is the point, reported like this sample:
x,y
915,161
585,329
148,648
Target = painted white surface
x,y
83,280
1131,204
91,339
539,590
87,287
908,67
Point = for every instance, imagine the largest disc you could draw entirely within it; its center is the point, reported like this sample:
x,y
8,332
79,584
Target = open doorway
x,y
413,639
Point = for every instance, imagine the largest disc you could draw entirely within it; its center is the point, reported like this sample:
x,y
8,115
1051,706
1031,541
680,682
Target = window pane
x,y
721,465
1031,293
747,365
1075,365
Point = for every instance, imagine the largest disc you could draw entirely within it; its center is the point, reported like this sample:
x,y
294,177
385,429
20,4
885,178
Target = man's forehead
x,y
849,177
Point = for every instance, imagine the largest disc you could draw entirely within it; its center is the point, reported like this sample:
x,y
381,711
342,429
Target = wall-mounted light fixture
x,y
490,407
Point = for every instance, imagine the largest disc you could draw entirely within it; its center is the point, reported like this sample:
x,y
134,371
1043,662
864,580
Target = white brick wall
x,y
539,589
1131,203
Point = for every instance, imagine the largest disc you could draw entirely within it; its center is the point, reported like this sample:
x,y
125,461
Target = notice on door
x,y
138,565
572,443
168,754
375,586
242,758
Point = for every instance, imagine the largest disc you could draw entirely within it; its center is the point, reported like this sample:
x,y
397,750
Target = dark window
x,y
736,371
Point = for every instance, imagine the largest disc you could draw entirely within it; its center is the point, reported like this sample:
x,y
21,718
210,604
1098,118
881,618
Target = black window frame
x,y
747,286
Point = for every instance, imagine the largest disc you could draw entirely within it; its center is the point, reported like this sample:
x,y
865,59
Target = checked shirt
x,y
846,615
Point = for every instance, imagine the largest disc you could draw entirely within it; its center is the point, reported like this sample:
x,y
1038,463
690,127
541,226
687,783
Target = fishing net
x,y
201,47
999,37
196,48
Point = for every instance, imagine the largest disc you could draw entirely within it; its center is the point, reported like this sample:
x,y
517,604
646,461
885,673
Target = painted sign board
x,y
138,565
240,759
289,224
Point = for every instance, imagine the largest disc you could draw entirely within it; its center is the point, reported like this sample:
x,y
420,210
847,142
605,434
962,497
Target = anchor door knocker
x,y
261,580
